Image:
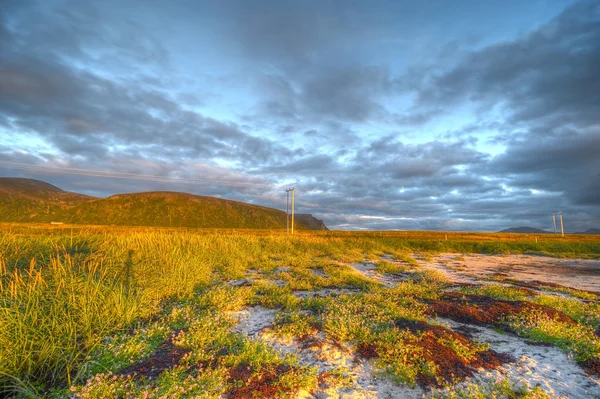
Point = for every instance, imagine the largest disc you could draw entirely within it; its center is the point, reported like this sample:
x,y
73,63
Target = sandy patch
x,y
544,366
369,270
326,355
580,274
253,320
325,292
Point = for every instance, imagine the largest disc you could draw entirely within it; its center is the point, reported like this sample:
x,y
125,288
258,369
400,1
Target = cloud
x,y
549,75
84,114
566,164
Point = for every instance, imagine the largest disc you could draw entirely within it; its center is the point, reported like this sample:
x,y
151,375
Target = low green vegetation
x,y
385,266
582,312
499,292
504,389
579,339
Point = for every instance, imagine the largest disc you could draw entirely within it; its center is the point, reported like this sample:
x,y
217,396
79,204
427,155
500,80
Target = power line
x,y
121,175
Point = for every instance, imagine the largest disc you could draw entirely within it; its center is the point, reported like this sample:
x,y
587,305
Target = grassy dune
x,y
81,305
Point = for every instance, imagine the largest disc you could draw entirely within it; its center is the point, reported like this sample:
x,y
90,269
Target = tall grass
x,y
51,317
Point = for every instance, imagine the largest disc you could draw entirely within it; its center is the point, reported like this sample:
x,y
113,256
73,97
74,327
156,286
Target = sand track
x,y
580,274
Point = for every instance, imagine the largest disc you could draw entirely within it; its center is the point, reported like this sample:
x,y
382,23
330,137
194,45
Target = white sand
x,y
369,270
574,273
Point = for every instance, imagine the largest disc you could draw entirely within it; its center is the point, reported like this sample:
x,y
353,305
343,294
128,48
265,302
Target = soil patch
x,y
483,310
248,384
591,366
436,342
166,356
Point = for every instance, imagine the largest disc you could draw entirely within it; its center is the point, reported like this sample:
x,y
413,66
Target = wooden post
x,y
287,212
293,196
562,227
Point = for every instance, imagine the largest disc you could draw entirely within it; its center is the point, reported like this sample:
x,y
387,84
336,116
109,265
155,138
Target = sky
x,y
470,115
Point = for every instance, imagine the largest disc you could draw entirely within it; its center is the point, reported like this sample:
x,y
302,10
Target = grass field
x,y
96,312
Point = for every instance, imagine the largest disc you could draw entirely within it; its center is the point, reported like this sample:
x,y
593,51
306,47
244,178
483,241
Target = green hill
x,y
310,221
27,200
175,210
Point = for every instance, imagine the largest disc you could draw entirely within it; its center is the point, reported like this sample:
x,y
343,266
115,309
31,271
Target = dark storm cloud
x,y
313,76
78,30
568,163
351,94
290,34
551,74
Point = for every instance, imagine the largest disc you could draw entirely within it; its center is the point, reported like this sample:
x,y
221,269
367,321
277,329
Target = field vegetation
x,y
96,312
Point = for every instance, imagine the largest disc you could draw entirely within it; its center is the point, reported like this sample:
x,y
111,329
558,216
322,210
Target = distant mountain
x,y
309,220
590,231
27,200
524,230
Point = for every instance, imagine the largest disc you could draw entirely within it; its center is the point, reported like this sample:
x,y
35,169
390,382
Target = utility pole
x,y
287,212
293,190
562,227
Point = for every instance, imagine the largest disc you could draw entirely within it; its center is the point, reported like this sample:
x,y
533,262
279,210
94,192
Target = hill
x,y
171,209
590,231
524,230
28,200
310,221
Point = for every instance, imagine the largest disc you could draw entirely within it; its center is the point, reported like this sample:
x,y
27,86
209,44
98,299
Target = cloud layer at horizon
x,y
387,115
